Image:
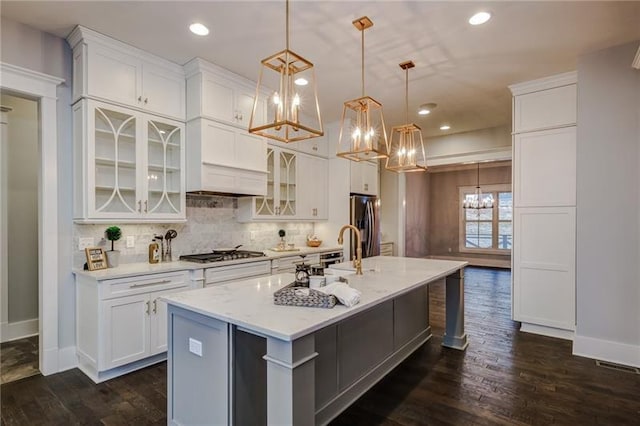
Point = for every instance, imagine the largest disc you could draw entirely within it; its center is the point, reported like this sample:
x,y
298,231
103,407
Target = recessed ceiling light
x,y
445,127
199,29
301,81
479,18
426,109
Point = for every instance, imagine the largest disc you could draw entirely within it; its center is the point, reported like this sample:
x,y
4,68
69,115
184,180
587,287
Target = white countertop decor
x,y
249,303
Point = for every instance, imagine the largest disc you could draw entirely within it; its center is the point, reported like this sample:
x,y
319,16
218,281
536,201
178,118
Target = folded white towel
x,y
348,296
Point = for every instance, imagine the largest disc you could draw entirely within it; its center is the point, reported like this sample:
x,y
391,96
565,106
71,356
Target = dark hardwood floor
x,y
504,377
18,359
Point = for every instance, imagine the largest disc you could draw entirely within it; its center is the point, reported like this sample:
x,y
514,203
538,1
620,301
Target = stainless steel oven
x,y
329,258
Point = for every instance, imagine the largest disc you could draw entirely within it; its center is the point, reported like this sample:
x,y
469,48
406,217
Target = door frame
x,y
43,87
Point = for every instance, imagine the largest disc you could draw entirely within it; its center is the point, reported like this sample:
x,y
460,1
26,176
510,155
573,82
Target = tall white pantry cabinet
x,y
544,198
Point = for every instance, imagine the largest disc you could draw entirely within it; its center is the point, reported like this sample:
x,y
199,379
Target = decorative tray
x,y
296,295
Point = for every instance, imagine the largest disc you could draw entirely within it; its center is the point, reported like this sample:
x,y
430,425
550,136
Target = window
x,y
486,230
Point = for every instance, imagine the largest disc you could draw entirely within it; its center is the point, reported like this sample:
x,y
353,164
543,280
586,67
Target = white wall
x,y
22,208
608,206
29,48
485,144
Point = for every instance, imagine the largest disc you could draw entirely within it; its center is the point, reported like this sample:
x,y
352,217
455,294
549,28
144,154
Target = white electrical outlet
x,y
252,235
195,346
84,243
131,241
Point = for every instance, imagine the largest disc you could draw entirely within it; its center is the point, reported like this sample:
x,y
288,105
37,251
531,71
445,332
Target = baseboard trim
x,y
18,330
547,331
67,358
477,261
606,350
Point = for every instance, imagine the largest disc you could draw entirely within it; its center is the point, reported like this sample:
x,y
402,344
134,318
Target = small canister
x,y
316,281
154,252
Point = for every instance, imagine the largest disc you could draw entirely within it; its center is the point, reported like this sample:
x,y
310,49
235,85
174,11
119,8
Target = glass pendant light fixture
x,y
362,132
286,107
406,149
477,201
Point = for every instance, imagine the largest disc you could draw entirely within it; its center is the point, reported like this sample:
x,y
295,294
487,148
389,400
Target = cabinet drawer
x,y
236,272
109,289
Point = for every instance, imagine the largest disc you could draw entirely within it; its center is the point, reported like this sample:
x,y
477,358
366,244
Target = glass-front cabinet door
x,y
266,206
280,201
115,163
130,165
287,184
164,176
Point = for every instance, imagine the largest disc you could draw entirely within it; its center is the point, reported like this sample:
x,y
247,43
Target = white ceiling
x,y
464,69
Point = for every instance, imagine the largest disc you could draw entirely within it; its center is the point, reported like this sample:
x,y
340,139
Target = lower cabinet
x,y
121,324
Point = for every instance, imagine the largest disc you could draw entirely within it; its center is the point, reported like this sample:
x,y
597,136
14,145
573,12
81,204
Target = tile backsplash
x,y
211,222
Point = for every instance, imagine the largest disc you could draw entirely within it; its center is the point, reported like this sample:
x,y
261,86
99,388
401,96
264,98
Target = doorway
x,y
19,159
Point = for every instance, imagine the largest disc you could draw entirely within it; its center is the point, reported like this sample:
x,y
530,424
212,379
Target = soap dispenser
x,y
154,252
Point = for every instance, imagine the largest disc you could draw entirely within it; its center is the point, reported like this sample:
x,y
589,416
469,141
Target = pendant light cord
x,y
406,95
362,31
287,24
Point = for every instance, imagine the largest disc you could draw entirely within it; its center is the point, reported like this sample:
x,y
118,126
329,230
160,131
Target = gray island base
x,y
234,357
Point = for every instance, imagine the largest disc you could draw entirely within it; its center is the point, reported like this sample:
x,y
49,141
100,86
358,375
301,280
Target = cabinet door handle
x,y
149,284
146,100
155,306
146,206
139,206
315,148
139,98
147,310
366,186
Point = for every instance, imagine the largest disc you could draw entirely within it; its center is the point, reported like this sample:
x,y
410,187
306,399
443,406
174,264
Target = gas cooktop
x,y
219,257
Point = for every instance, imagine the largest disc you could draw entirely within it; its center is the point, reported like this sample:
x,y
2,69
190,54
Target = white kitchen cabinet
x,y
109,70
546,168
121,323
280,201
129,165
225,159
312,187
217,94
544,195
364,177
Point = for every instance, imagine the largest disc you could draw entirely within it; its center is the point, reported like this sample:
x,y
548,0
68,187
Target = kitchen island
x,y
237,358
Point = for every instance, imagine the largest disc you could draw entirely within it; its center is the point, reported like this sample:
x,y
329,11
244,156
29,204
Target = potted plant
x,y
113,234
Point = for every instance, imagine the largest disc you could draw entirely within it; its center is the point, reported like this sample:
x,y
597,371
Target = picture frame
x,y
96,258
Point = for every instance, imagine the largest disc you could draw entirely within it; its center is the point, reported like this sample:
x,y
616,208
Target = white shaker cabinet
x,y
544,195
313,182
121,323
364,177
130,165
109,70
217,94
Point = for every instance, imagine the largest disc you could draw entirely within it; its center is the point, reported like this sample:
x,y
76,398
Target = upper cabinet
x,y
216,94
130,165
223,157
108,70
364,177
546,103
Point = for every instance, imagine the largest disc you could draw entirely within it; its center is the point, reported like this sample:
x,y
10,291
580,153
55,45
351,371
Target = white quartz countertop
x,y
249,303
134,269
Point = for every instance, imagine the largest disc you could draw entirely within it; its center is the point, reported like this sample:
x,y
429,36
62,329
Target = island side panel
x,y
198,369
454,336
410,316
291,381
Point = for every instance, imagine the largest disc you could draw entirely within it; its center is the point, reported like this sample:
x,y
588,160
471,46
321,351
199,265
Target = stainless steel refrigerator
x,y
365,216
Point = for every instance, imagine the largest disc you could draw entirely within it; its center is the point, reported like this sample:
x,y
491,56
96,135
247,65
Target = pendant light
x,y
287,90
478,201
406,149
362,132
